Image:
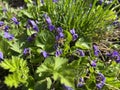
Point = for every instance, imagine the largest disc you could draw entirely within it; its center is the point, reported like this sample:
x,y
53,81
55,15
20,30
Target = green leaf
x,y
29,15
67,42
83,44
46,40
113,82
41,85
59,62
49,83
54,66
19,70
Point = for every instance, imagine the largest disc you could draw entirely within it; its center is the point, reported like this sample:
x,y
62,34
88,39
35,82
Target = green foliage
x,y
79,15
33,70
83,44
55,66
45,40
18,68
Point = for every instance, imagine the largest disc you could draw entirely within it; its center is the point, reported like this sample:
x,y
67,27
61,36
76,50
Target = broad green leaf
x,y
41,85
81,43
46,40
59,61
56,66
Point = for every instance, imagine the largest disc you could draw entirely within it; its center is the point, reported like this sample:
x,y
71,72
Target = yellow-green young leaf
x,y
12,80
49,82
110,15
6,64
59,62
19,70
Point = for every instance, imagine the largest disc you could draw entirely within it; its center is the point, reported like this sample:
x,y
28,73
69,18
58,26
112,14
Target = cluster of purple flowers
x,y
96,50
49,22
100,80
116,56
93,63
75,36
81,82
7,35
33,25
59,34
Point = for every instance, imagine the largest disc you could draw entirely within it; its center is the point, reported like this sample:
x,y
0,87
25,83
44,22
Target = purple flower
x,y
4,10
57,38
72,31
33,25
51,27
42,1
80,82
75,36
99,85
118,60
67,87
45,54
90,5
55,0
93,63
1,23
58,53
26,51
8,36
32,37
14,19
96,50
101,1
1,55
116,22
116,55
100,80
47,18
101,77
61,35
6,28
59,29
80,52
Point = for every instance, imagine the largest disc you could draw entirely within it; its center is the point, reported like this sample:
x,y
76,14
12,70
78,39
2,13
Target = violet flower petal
x,y
72,31
58,53
1,55
45,54
1,23
81,53
26,51
14,19
8,36
51,27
